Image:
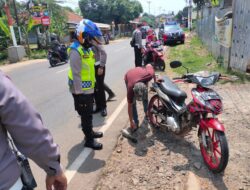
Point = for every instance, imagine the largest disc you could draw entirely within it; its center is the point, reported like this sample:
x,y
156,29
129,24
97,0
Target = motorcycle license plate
x,y
210,95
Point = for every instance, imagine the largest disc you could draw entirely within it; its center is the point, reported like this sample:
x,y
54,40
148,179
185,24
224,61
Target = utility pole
x,y
10,23
17,21
148,6
190,15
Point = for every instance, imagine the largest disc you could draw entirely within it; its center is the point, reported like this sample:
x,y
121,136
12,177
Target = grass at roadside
x,y
35,54
195,56
38,54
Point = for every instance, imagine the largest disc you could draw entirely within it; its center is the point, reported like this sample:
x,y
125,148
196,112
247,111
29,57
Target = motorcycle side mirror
x,y
175,64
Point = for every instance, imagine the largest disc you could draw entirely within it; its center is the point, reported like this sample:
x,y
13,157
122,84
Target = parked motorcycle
x,y
167,108
56,57
153,53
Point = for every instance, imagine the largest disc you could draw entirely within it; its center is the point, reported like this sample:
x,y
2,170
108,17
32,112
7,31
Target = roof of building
x,y
74,19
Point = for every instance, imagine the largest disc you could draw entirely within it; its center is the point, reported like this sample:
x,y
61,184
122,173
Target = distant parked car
x,y
171,23
171,34
144,30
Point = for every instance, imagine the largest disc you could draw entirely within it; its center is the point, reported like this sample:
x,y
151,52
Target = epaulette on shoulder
x,y
75,45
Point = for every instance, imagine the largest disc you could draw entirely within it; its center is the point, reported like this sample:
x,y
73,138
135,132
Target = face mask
x,y
87,44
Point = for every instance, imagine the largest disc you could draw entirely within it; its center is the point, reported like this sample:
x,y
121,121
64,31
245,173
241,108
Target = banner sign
x,y
39,13
223,30
45,21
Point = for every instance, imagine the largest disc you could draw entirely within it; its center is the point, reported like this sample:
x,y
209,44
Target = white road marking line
x,y
71,171
62,70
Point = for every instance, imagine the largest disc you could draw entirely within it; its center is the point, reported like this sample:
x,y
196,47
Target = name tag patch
x,y
85,56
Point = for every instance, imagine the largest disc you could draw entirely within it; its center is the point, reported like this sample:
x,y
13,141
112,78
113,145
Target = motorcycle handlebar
x,y
178,78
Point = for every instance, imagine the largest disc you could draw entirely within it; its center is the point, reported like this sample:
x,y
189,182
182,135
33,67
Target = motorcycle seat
x,y
159,49
173,91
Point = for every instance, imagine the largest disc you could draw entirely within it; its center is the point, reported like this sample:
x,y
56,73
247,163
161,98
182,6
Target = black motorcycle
x,y
57,57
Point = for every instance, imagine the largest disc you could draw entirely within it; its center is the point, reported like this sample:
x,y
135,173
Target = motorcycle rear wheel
x,y
155,106
160,64
216,154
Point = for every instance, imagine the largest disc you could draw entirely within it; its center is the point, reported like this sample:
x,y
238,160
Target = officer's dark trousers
x,y
84,107
107,89
138,57
100,97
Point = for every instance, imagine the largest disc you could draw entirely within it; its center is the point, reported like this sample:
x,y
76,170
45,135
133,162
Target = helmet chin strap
x,y
87,44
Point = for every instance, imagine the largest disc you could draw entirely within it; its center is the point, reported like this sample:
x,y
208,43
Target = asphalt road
x,y
47,89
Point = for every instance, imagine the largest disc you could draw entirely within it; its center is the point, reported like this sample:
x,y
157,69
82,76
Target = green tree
x,y
58,18
150,19
119,11
179,16
4,27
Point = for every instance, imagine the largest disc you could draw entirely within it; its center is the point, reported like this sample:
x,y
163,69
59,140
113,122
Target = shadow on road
x,y
74,153
91,164
57,65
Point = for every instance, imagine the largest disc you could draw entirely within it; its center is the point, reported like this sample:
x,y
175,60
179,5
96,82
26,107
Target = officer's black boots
x,y
97,134
92,143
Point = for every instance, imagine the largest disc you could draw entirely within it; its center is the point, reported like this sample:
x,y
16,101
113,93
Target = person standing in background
x,y
137,37
100,62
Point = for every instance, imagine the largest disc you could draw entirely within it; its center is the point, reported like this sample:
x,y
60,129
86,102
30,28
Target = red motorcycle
x,y
167,108
153,53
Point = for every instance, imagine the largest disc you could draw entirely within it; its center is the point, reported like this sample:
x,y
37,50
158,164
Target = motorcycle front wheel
x,y
155,107
160,64
215,154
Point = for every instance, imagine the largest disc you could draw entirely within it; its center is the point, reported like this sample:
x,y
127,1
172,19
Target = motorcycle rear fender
x,y
212,123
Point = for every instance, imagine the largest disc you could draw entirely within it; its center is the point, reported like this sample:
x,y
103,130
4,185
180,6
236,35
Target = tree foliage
x,y
148,18
106,11
182,14
58,18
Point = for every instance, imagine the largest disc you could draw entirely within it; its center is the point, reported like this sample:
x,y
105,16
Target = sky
x,y
156,6
162,6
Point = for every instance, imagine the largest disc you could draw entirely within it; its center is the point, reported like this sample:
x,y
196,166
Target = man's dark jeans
x,y
138,57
